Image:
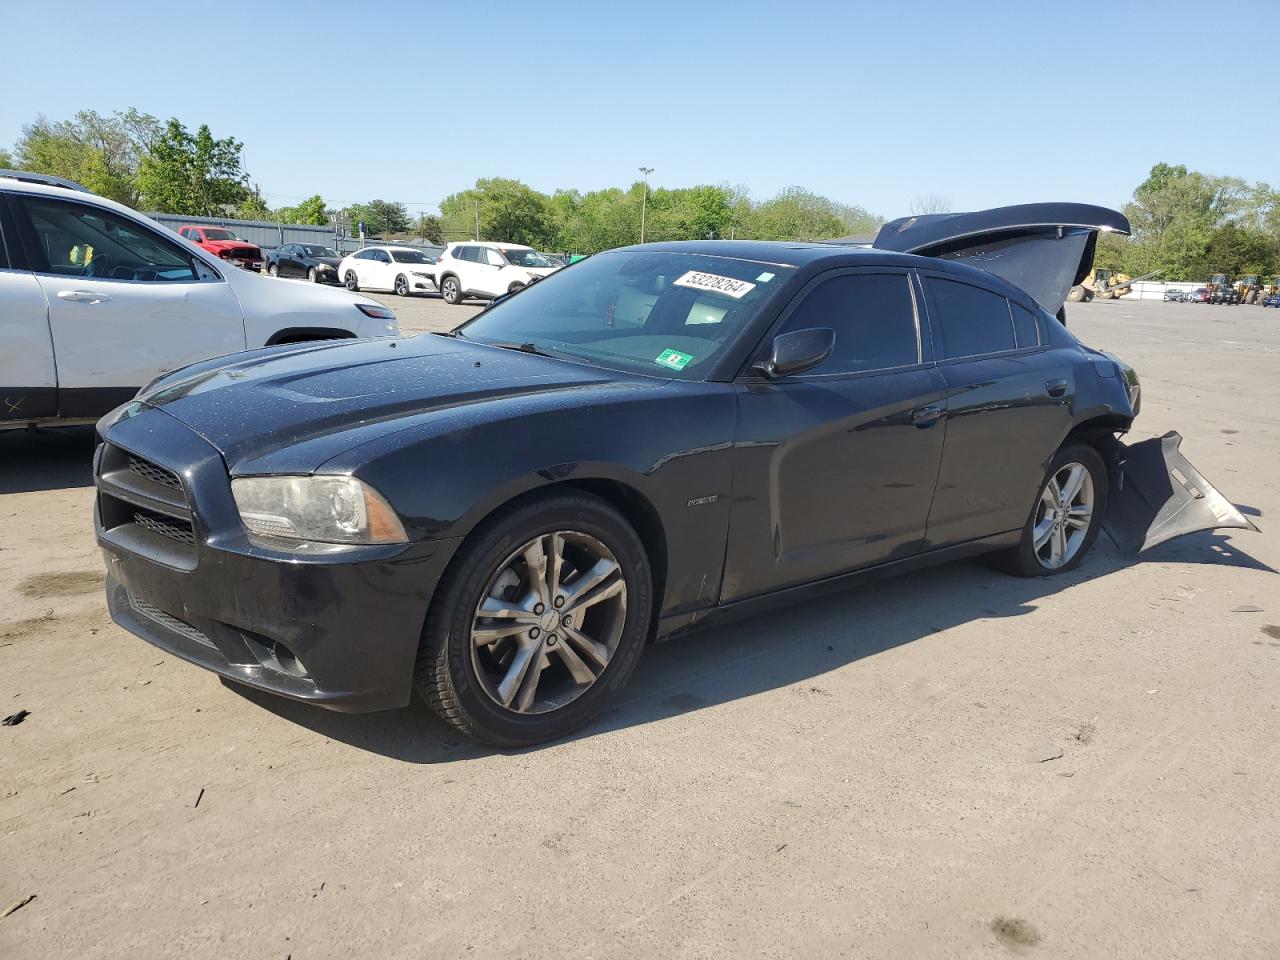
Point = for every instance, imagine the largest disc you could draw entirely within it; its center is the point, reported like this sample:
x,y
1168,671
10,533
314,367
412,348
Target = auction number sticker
x,y
673,359
715,283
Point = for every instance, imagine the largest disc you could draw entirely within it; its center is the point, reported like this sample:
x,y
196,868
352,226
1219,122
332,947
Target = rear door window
x,y
968,321
874,319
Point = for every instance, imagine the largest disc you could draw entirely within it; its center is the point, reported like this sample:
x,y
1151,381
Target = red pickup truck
x,y
223,243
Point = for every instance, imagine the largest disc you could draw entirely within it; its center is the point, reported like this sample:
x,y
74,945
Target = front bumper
x,y
339,628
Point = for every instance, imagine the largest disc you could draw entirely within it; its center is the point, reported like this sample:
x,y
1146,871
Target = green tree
x,y
380,217
102,153
193,174
253,207
430,229
507,210
796,214
310,211
6,160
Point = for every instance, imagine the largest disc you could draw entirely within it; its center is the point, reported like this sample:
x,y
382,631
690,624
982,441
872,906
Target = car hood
x,y
327,261
220,244
318,400
1044,248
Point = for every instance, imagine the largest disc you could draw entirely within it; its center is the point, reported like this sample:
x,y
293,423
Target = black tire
x,y
351,281
313,275
1075,294
451,289
402,286
445,676
274,270
1022,560
515,286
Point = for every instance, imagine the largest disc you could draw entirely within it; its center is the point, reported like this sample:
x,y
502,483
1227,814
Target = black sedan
x,y
500,518
315,262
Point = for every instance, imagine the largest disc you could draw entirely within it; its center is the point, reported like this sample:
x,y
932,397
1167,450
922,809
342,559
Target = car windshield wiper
x,y
522,347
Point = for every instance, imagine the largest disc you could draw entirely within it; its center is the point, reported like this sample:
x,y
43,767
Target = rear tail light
x,y
376,311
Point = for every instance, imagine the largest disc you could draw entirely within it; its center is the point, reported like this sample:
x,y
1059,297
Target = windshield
x,y
312,250
409,256
212,234
525,258
667,314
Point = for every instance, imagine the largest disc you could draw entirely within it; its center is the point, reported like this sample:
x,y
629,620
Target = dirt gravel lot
x,y
950,764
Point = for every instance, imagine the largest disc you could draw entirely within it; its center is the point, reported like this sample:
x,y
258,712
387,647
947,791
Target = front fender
x,y
671,445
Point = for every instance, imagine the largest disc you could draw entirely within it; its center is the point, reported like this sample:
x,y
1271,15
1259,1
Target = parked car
x,y
1271,301
224,245
485,270
1225,294
1198,295
501,517
403,270
1175,296
316,262
96,301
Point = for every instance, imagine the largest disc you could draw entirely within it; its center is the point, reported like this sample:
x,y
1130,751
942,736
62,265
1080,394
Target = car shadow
x,y
793,646
56,458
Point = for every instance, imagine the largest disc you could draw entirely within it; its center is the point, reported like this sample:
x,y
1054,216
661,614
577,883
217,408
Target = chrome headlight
x,y
419,273
322,509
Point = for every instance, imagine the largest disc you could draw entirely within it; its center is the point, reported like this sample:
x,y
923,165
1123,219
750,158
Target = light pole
x,y
644,198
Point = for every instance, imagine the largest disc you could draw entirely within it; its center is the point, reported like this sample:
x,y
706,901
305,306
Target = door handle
x,y
83,296
924,417
1055,388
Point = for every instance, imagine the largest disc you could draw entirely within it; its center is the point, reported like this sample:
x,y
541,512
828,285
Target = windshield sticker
x,y
716,284
673,359
764,278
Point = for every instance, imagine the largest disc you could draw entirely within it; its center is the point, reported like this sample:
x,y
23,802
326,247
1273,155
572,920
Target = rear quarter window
x,y
968,321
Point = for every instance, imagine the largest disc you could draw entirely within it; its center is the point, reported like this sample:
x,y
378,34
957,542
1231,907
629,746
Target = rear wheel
x,y
1066,517
451,290
352,281
1075,294
402,286
538,622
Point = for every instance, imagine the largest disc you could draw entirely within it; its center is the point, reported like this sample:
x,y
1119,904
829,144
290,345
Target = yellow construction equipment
x,y
1105,284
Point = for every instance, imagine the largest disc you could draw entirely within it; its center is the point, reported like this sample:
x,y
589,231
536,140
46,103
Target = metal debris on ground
x,y
15,718
18,906
1246,608
199,797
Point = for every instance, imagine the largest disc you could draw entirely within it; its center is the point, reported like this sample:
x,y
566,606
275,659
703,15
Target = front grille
x,y
154,473
143,508
174,528
152,612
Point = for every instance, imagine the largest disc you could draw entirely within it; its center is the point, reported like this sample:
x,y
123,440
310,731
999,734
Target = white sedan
x,y
403,270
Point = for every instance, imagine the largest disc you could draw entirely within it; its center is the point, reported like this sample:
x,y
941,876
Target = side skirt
x,y
674,625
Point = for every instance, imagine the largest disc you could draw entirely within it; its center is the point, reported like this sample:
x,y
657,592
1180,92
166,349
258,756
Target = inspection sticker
x,y
673,359
716,284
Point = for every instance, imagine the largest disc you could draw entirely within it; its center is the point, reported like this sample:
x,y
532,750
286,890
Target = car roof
x,y
815,256
492,244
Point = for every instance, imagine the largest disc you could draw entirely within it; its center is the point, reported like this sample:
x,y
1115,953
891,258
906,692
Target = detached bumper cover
x,y
1160,496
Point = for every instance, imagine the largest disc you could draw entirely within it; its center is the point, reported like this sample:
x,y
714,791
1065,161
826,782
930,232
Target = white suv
x,y
96,301
488,270
401,269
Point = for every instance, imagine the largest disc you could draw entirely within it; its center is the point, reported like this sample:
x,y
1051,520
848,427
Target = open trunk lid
x,y
1044,248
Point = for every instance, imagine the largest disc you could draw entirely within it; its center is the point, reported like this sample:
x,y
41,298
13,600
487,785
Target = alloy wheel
x,y
1063,515
548,622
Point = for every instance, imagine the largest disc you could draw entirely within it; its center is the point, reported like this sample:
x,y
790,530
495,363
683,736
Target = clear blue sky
x,y
874,104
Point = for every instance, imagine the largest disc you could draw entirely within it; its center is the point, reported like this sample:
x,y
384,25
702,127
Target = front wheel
x,y
351,281
451,291
538,622
402,286
312,275
274,270
1066,517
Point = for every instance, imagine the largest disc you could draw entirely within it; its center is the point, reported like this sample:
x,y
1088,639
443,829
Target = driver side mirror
x,y
797,351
